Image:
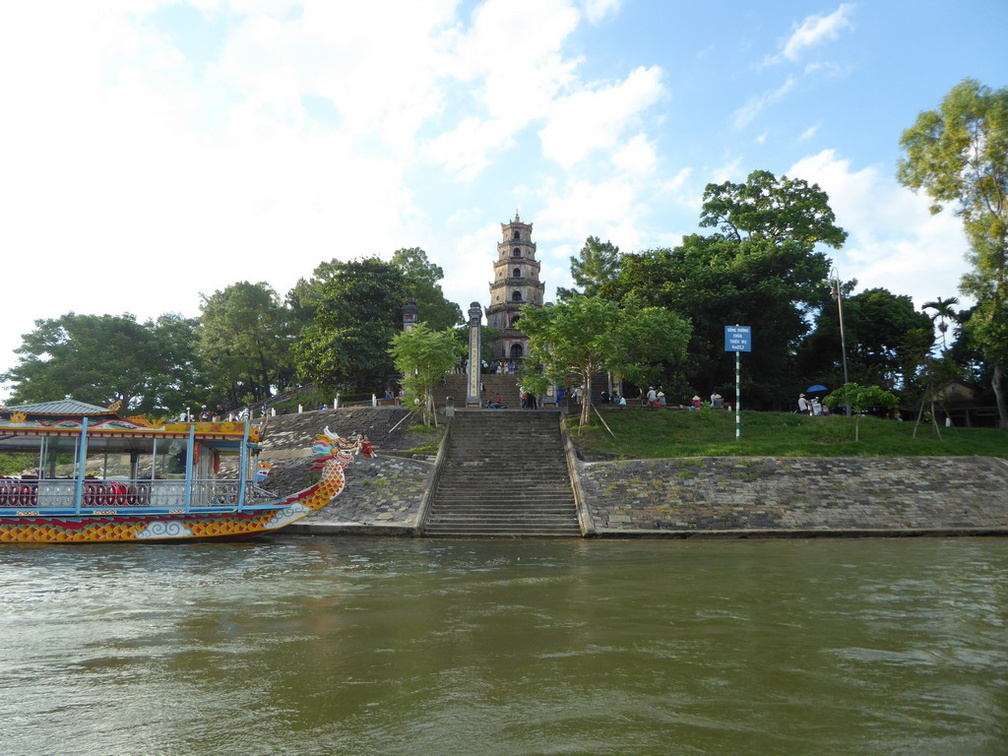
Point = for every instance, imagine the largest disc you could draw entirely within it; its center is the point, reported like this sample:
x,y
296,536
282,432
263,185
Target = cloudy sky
x,y
152,152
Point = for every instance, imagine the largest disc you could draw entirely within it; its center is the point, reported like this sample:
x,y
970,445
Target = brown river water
x,y
296,645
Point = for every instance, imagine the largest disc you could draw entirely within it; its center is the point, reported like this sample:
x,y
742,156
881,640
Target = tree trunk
x,y
586,399
997,383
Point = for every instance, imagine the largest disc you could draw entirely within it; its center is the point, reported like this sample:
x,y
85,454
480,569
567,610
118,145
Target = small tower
x,y
410,315
516,283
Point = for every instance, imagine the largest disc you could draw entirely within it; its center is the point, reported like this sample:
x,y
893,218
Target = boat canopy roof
x,y
22,426
60,407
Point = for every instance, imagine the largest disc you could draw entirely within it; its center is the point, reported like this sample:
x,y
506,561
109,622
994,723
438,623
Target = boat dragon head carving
x,y
332,448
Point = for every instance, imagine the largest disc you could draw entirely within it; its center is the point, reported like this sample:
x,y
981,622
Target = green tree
x,y
180,381
760,269
860,399
421,283
942,312
959,155
424,356
597,264
101,359
779,210
887,338
244,342
586,335
652,342
577,337
714,281
353,310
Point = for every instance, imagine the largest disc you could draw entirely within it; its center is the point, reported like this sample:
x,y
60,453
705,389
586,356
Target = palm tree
x,y
942,311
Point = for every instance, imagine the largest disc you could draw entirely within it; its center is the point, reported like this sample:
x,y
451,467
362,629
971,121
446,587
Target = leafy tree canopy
x,y
887,338
424,356
959,155
779,210
597,264
421,283
103,359
716,281
653,343
577,337
356,310
244,341
586,335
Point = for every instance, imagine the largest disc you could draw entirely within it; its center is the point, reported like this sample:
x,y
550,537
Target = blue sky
x,y
151,152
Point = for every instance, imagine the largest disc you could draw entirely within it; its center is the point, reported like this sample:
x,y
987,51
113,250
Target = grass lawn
x,y
644,433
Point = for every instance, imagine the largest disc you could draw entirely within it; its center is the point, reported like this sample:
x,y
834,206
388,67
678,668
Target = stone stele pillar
x,y
473,398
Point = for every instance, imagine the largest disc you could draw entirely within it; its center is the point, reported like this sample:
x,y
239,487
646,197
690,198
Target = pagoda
x,y
516,283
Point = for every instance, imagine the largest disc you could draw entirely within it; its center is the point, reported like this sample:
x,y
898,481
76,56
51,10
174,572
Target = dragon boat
x,y
100,477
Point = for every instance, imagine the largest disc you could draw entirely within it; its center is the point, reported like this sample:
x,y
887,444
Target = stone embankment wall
x,y
797,495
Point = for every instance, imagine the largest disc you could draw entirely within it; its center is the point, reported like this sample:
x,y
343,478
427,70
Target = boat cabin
x,y
89,459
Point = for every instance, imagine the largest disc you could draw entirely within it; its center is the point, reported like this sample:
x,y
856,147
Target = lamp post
x,y
835,289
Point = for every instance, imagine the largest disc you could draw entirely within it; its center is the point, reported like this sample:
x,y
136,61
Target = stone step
x,y
479,532
487,499
482,492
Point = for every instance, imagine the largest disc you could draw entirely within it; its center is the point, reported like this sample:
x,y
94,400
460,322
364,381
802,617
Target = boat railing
x,y
48,493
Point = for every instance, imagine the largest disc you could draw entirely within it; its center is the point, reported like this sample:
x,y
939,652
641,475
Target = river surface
x,y
385,646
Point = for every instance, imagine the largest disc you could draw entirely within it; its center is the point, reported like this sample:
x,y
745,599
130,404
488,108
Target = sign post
x,y
738,339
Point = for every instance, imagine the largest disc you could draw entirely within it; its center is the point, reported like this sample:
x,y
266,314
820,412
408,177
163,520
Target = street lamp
x,y
835,289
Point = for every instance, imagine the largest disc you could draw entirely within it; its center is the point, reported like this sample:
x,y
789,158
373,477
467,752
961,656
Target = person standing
x,y
652,397
803,405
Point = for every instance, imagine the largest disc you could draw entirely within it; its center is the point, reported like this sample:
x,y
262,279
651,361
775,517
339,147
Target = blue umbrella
x,y
814,389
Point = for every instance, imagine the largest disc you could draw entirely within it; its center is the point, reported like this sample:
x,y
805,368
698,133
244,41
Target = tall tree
x,y
717,281
761,268
355,309
779,210
101,359
887,339
959,155
587,335
421,283
180,381
244,342
424,356
942,312
652,342
576,337
597,264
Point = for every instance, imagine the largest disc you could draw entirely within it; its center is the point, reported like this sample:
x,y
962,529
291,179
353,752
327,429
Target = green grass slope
x,y
643,433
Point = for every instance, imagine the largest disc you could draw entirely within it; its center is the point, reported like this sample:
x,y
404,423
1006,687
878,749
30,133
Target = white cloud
x,y
757,104
594,119
468,277
636,157
894,242
814,30
465,151
598,10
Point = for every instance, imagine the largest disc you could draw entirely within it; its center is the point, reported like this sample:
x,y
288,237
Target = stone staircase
x,y
455,387
505,474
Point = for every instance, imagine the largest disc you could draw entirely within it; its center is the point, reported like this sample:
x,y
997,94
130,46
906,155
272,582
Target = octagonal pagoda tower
x,y
516,282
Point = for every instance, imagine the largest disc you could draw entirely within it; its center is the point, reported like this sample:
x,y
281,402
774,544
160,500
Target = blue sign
x,y
737,339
